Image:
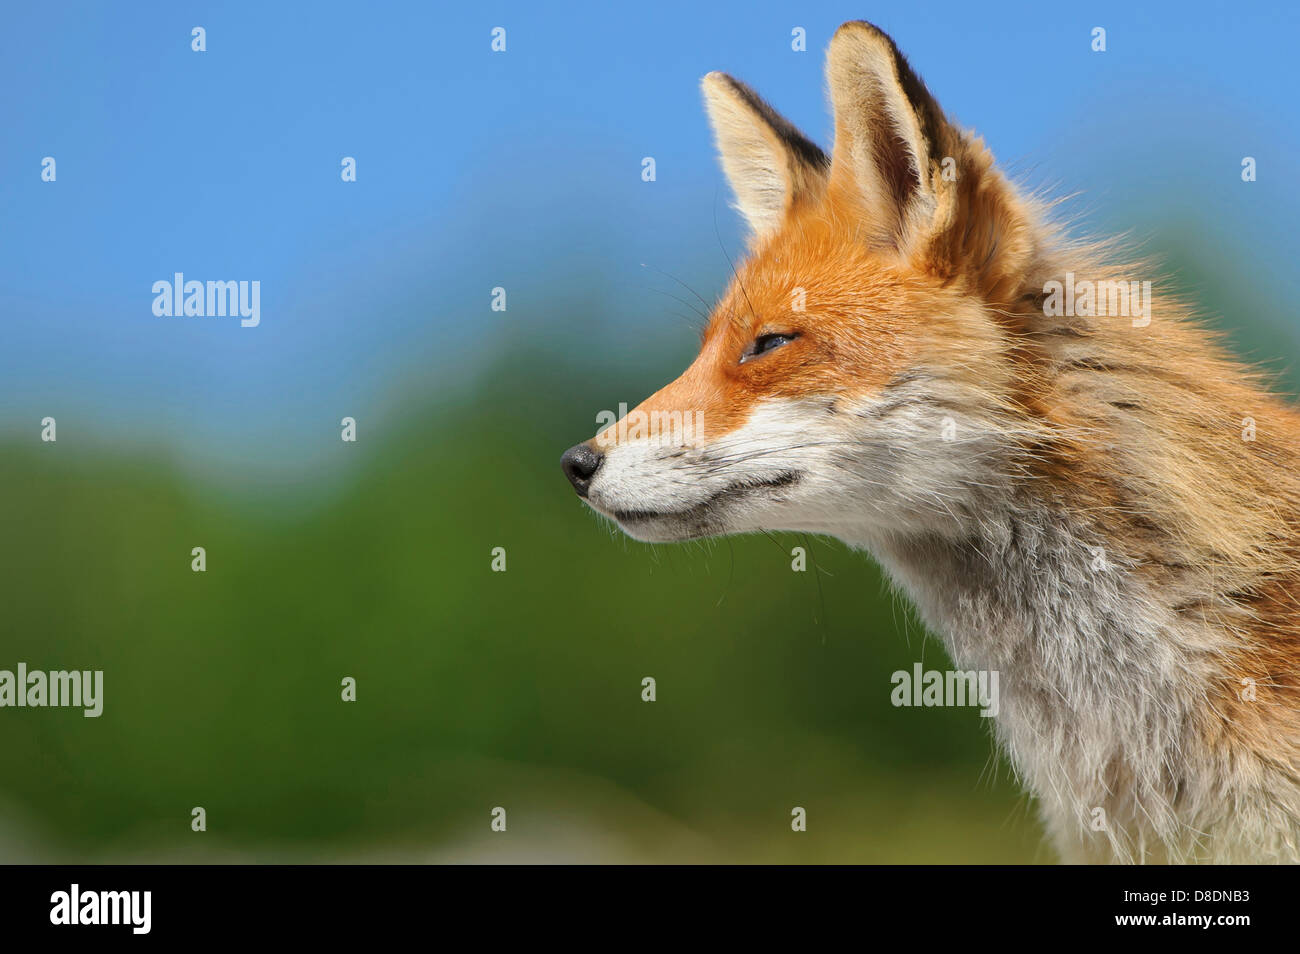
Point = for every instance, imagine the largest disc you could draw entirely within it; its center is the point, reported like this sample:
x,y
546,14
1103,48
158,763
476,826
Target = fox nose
x,y
580,463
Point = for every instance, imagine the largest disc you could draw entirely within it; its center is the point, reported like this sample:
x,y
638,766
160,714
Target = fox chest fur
x,y
1103,692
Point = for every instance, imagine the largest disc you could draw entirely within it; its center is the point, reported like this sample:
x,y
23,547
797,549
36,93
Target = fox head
x,y
854,379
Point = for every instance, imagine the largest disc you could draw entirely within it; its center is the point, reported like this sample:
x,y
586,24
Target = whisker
x,y
734,274
707,307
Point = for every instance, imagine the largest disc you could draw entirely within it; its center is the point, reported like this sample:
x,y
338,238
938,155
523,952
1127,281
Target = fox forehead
x,y
858,318
815,279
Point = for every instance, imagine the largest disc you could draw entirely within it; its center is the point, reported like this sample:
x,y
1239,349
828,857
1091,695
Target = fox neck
x,y
1099,680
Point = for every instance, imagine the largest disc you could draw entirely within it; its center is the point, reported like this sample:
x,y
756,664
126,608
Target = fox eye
x,y
763,344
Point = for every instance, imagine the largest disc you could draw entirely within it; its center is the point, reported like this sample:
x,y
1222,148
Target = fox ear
x,y
769,163
888,132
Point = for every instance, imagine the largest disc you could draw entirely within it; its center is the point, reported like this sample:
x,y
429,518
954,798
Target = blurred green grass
x,y
475,689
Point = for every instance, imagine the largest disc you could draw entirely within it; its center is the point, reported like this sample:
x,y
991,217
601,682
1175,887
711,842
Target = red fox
x,y
1085,494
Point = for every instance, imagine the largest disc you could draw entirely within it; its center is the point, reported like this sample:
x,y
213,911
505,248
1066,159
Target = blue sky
x,y
520,169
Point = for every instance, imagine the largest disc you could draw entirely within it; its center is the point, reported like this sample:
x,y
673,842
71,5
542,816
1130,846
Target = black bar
x,y
333,903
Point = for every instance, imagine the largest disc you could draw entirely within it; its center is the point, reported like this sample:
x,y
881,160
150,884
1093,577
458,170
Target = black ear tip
x,y
866,27
725,81
870,32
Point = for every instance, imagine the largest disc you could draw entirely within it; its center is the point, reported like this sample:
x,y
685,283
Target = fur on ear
x,y
889,132
771,165
917,182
